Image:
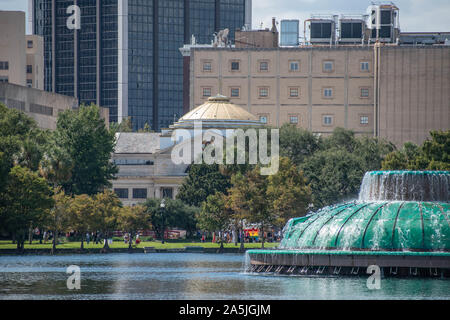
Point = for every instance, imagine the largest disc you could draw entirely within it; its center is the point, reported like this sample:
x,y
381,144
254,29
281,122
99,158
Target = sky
x,y
415,15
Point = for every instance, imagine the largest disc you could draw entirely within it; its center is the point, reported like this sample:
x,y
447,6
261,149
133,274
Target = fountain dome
x,y
396,211
401,222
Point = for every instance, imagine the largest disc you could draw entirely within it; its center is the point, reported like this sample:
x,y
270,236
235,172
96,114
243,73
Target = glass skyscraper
x,y
125,55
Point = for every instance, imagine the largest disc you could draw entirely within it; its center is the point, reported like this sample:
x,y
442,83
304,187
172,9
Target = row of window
x,y
293,92
294,66
327,120
139,193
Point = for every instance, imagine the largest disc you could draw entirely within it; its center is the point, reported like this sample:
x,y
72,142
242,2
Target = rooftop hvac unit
x,y
383,20
322,30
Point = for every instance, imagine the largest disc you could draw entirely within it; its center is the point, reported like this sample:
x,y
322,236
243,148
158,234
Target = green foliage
x,y
203,180
27,199
124,126
83,146
288,192
214,215
298,143
336,171
434,154
174,214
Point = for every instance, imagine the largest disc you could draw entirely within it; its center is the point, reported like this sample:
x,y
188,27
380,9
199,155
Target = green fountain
x,y
401,223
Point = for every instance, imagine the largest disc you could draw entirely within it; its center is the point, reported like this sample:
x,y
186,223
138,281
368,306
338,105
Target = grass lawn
x,y
121,245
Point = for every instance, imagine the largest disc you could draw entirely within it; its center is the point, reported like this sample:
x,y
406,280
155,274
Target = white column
x,y
122,111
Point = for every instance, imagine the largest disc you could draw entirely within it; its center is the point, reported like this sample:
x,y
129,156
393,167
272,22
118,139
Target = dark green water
x,y
187,276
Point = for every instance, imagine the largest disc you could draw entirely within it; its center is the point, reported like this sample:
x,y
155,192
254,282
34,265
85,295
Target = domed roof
x,y
396,211
219,108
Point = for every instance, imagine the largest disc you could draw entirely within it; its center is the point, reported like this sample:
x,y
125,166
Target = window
x,y
263,119
4,79
364,120
207,66
235,92
29,68
294,66
121,193
30,44
364,66
327,120
139,193
234,65
4,65
328,66
167,193
207,92
293,92
263,92
328,92
293,119
364,92
29,83
264,66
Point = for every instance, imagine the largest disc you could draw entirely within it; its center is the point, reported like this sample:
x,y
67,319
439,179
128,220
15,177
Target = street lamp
x,y
162,205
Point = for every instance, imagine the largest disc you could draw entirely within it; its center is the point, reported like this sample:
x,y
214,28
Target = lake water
x,y
181,276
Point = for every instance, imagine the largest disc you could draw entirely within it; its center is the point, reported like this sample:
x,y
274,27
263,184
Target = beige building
x,y
35,62
414,92
396,92
317,88
12,47
21,56
145,168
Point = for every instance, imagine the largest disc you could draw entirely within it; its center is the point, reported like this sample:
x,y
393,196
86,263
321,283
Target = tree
x,y
107,207
202,181
133,219
403,159
174,214
248,195
215,215
124,126
58,219
84,138
434,154
82,211
298,143
288,193
334,175
28,199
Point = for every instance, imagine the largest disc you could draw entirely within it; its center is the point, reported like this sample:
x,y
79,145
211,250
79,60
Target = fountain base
x,y
400,264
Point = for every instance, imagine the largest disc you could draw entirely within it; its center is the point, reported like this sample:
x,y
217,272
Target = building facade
x,y
390,91
413,92
21,56
35,62
40,105
125,55
317,88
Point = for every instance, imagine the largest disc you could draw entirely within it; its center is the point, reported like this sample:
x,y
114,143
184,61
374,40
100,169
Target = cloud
x,y
415,15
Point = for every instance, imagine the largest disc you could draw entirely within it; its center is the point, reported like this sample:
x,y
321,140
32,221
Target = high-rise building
x,y
125,54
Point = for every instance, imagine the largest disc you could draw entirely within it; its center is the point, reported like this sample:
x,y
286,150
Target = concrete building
x,y
317,88
21,56
413,88
145,168
35,62
13,59
40,105
370,89
267,38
